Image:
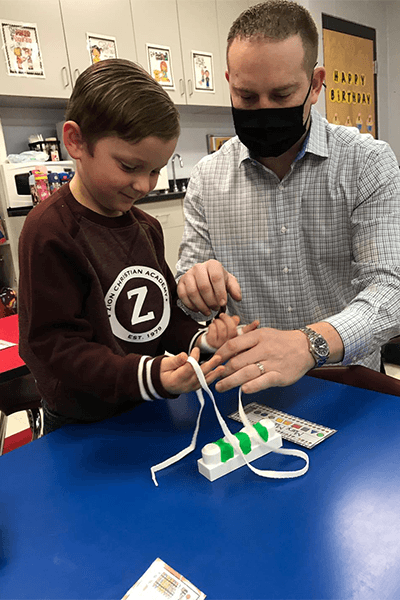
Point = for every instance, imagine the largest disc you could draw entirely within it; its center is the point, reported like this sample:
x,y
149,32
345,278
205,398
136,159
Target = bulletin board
x,y
350,63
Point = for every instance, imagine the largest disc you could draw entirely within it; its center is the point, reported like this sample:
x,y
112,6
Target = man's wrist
x,y
317,345
333,338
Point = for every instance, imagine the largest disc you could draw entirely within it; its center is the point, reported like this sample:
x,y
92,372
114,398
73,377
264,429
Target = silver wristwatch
x,y
318,346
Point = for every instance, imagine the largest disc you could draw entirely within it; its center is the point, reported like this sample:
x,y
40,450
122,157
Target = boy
x,y
97,301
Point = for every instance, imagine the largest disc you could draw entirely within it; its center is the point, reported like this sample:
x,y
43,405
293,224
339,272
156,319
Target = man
x,y
294,222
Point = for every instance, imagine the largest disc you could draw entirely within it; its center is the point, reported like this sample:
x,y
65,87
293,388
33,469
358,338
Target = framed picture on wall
x,y
203,71
22,49
160,65
215,142
101,47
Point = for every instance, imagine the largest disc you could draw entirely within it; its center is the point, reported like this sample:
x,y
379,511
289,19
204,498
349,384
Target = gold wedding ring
x,y
261,367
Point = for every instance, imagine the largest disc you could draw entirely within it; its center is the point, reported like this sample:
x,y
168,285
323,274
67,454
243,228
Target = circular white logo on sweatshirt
x,y
139,294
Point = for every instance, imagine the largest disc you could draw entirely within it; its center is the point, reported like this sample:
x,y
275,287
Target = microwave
x,y
14,180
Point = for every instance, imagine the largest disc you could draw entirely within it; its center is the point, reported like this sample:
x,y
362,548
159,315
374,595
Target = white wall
x,y
19,123
196,122
393,94
383,16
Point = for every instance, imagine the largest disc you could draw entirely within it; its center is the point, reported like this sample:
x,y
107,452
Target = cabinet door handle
x,y
64,75
190,87
182,87
163,219
76,74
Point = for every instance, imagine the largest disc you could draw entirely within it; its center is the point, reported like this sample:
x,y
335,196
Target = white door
x,y
155,23
199,35
227,12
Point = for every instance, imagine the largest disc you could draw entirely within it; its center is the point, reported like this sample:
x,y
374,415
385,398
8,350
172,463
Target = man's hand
x,y
178,376
284,357
206,286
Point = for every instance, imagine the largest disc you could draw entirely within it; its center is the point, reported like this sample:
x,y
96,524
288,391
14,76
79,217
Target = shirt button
x,y
283,229
280,186
285,270
289,309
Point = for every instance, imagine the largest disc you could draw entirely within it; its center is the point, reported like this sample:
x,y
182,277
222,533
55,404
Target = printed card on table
x,y
160,581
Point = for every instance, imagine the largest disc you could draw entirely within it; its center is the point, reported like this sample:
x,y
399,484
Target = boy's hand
x,y
178,376
224,328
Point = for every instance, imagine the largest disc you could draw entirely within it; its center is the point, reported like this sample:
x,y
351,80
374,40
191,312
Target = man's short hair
x,y
278,20
118,97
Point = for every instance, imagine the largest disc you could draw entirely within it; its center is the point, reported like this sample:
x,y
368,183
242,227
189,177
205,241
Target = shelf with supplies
x,y
22,185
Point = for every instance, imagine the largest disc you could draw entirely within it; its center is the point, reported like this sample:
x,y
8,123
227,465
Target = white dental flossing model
x,y
220,458
250,443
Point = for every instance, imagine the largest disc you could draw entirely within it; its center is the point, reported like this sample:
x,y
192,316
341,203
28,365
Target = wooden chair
x,y
16,395
360,377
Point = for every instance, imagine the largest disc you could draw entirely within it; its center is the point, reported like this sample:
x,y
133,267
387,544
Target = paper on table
x,y
160,581
4,344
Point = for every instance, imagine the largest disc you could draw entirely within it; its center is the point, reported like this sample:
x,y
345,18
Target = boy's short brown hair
x,y
278,20
118,97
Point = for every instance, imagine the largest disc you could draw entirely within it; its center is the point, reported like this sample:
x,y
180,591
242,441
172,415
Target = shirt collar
x,y
315,142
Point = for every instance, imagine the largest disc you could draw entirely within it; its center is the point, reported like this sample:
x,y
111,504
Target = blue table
x,y
80,517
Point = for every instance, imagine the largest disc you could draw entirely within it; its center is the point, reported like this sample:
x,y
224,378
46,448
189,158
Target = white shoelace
x,y
249,429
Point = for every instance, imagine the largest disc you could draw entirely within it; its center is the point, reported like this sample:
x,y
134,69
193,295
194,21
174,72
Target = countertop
x,y
155,197
24,210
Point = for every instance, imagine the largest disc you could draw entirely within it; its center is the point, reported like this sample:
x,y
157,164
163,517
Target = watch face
x,y
321,347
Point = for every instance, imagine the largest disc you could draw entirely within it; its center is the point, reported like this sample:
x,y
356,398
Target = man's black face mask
x,y
270,131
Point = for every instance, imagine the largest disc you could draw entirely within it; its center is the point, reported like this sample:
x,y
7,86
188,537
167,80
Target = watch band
x,y
318,346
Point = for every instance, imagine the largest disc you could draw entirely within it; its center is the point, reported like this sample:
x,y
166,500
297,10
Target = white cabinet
x,y
45,14
182,26
227,12
199,32
105,19
170,215
62,27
